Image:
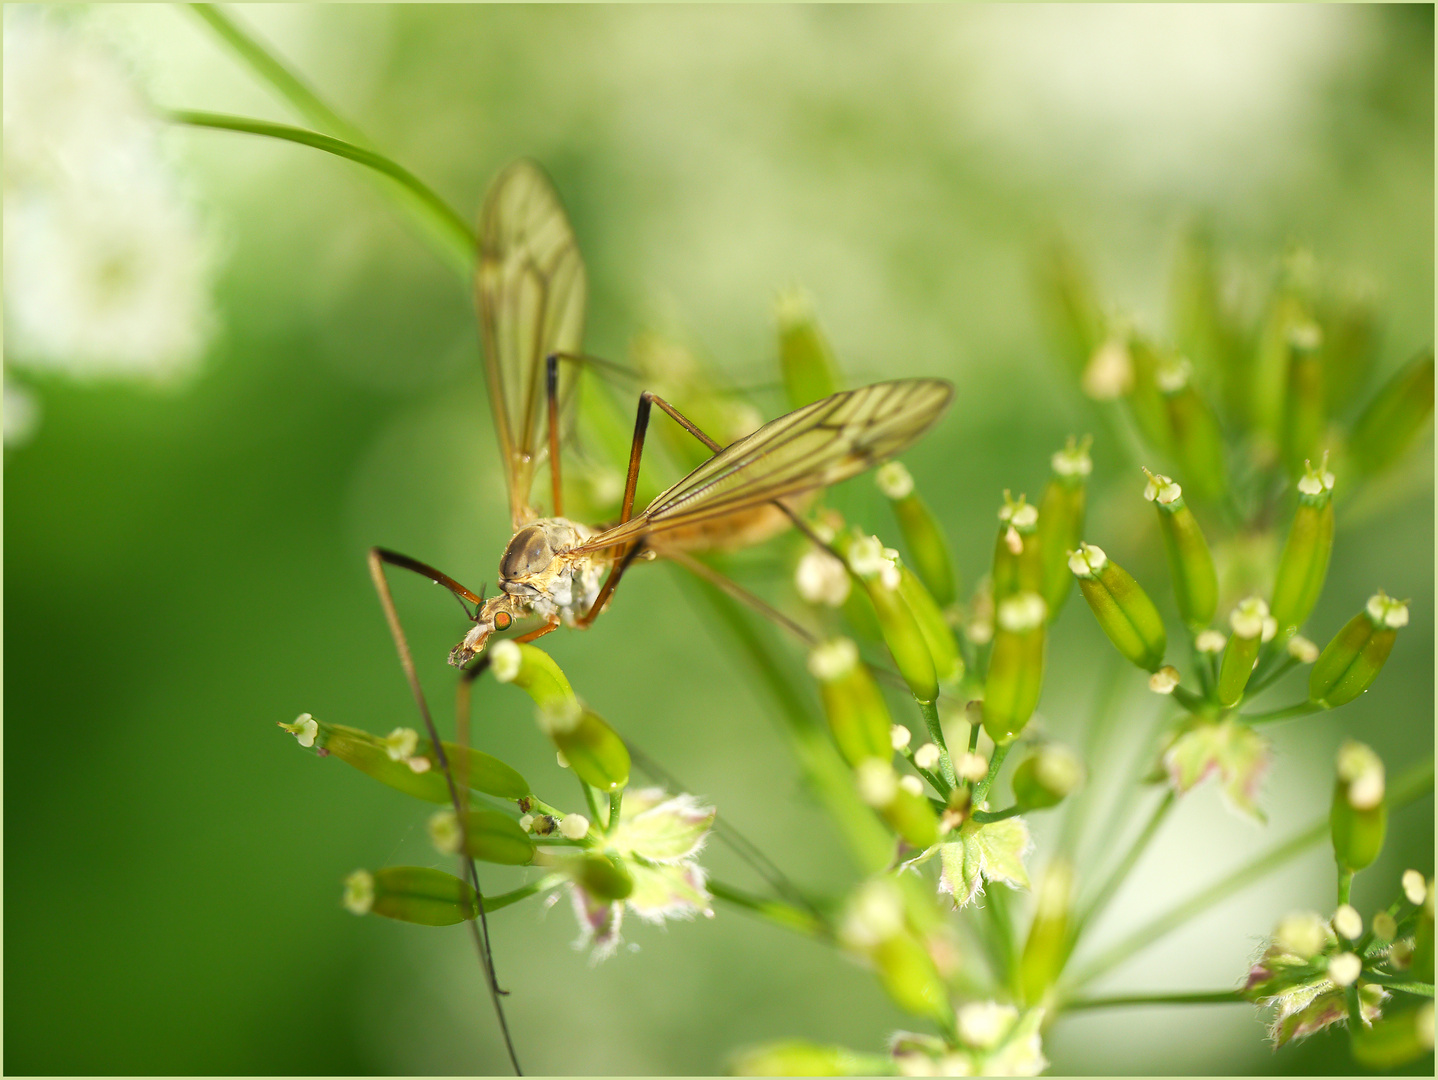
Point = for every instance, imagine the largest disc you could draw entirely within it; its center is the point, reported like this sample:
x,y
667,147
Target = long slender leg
x,y
551,390
610,583
404,562
377,559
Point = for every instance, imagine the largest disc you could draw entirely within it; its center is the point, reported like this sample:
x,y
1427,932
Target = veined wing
x,y
818,445
530,289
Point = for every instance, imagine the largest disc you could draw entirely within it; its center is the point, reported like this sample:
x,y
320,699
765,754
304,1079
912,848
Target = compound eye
x,y
503,620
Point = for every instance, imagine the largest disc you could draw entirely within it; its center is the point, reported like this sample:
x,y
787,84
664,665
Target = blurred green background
x,y
185,568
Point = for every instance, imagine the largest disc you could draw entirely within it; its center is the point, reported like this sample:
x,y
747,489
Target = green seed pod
x,y
1146,400
1304,563
1394,418
1305,416
1047,777
532,670
938,634
1018,562
1061,517
592,748
1359,817
905,810
1350,345
877,569
408,763
1047,945
805,357
874,926
1241,652
1197,438
413,894
922,536
1070,305
1398,1037
858,717
1016,666
1352,660
1204,326
1421,966
1190,563
602,876
1122,608
488,836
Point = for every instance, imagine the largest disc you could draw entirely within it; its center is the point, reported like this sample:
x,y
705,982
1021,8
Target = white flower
x,y
107,269
822,579
869,558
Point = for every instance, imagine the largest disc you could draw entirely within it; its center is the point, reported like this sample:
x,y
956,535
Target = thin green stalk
x,y
1118,1001
933,781
591,799
1399,984
981,791
273,71
774,911
1133,784
615,799
930,711
457,240
1135,852
1200,665
1355,1010
1288,712
503,900
1194,703
984,817
1409,787
997,911
1345,884
1258,685
1096,736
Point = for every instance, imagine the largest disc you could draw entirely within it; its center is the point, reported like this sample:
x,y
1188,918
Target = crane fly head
x,y
496,613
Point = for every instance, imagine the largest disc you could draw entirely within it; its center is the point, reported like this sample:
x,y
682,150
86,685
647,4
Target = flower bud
x,y
922,536
805,357
1347,922
1016,666
1301,649
1197,438
1190,564
1047,777
1304,563
1047,946
574,827
413,894
1304,409
488,836
1210,642
822,578
372,755
1352,660
857,715
532,670
1302,934
1122,608
1241,652
1415,889
1018,562
1164,680
593,749
1345,968
1397,1038
1061,518
1385,927
1359,816
907,813
1394,418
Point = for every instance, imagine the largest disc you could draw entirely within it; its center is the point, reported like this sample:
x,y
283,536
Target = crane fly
x,y
530,292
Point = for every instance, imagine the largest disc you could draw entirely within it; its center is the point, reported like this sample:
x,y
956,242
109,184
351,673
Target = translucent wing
x,y
531,291
818,445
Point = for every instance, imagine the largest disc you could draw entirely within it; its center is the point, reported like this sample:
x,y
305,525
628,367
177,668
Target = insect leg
x,y
377,559
721,581
621,565
551,389
549,627
404,562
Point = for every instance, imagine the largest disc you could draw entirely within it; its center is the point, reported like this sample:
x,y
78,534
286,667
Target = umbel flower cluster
x,y
920,806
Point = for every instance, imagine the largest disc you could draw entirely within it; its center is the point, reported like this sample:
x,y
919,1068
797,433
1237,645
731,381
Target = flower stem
x,y
1194,703
1399,984
591,799
1303,708
774,911
1118,1001
1345,884
615,798
457,241
1257,686
503,900
1409,787
984,817
981,791
930,711
933,781
1135,852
